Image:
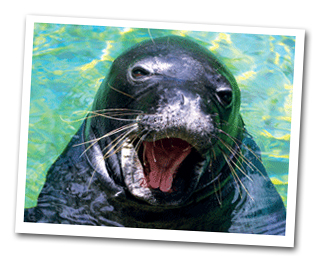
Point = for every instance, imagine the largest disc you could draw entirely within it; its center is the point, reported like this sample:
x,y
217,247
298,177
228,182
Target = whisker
x,y
116,139
120,114
107,154
154,138
161,142
219,184
215,189
91,179
97,165
248,162
154,155
144,155
235,174
111,117
214,154
122,92
97,113
213,181
151,37
108,134
141,139
72,121
119,109
236,156
245,131
94,141
102,159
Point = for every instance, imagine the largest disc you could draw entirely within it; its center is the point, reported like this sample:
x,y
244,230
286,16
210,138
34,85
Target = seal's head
x,y
166,119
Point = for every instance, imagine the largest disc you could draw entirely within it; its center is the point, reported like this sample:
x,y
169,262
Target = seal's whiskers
x,y
96,140
122,92
219,183
144,155
235,176
111,117
151,37
236,155
154,146
247,161
141,139
214,186
236,139
107,113
120,138
103,158
120,110
153,153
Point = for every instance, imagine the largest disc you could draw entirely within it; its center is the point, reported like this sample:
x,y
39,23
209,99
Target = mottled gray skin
x,y
182,91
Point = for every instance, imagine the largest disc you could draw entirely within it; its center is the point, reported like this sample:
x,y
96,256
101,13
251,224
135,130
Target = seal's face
x,y
177,107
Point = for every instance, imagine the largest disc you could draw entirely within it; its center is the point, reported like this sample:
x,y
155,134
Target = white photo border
x,y
158,234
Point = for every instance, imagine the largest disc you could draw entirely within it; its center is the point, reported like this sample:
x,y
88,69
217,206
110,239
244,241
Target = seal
x,y
164,146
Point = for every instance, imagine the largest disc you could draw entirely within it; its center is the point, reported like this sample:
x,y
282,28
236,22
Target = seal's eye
x,y
224,95
139,72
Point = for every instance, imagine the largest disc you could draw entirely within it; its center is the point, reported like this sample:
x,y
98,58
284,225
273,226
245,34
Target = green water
x,y
70,62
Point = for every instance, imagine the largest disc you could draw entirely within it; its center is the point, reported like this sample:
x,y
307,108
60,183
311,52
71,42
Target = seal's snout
x,y
178,115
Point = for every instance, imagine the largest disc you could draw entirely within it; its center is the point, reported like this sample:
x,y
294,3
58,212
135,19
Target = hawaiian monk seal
x,y
163,147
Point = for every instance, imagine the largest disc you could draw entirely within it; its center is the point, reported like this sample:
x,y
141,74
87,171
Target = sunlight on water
x,y
70,62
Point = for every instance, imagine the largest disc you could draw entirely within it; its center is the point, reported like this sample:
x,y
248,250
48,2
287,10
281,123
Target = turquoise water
x,y
70,62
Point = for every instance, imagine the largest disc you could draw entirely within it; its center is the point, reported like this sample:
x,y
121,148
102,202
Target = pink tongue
x,y
164,158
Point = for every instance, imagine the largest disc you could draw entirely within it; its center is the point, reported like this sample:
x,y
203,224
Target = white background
x,y
53,250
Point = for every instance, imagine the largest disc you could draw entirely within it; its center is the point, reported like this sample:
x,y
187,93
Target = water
x,y
70,62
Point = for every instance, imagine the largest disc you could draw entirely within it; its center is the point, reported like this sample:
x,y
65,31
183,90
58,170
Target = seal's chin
x,y
164,172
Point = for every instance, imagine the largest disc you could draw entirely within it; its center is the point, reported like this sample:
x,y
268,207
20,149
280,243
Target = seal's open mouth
x,y
163,172
161,160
